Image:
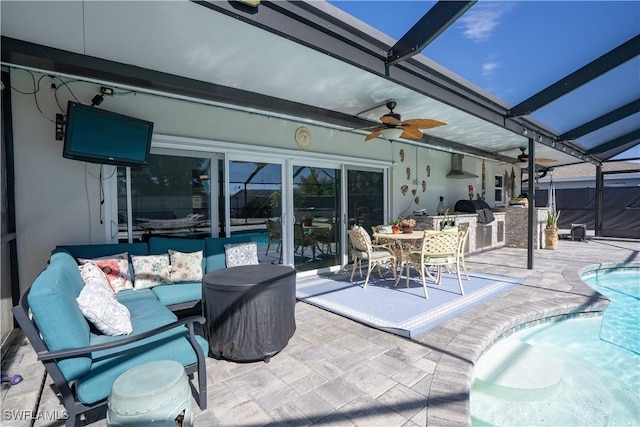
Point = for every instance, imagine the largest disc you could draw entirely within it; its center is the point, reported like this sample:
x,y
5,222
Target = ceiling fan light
x,y
391,133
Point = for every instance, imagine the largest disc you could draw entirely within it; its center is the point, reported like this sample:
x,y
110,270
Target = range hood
x,y
456,168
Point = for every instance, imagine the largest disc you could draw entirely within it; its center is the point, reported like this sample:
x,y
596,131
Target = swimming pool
x,y
576,372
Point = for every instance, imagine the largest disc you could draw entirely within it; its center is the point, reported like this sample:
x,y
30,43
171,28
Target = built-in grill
x,y
480,207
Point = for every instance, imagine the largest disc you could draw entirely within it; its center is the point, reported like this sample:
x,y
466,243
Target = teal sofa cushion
x,y
96,385
52,299
178,293
147,313
145,310
214,250
101,250
161,245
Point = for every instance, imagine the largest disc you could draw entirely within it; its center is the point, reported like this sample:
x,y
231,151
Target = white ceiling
x,y
188,40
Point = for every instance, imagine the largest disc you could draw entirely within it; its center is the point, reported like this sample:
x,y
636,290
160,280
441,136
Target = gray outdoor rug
x,y
400,310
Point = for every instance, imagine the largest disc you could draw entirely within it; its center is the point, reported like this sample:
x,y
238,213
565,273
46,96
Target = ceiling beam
x,y
597,67
602,121
620,144
431,25
47,59
56,61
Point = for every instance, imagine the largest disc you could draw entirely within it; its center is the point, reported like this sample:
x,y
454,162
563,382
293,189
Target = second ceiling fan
x,y
409,128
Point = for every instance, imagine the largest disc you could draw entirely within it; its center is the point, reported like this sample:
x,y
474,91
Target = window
x,y
498,187
169,197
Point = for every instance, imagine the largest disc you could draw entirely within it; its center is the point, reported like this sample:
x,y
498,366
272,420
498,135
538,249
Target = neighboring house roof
x,y
587,170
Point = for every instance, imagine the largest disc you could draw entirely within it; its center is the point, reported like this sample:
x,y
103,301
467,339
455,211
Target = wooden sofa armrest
x,y
80,351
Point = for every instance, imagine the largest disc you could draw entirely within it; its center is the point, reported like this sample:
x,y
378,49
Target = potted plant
x,y
551,230
395,228
407,224
307,220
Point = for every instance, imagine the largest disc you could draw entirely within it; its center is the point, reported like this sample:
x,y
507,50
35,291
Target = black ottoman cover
x,y
250,310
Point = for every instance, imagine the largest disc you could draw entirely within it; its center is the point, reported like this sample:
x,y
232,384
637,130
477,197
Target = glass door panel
x,y
255,202
170,197
365,195
316,202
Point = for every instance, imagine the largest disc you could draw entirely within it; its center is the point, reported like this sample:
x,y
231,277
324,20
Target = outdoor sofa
x,y
82,361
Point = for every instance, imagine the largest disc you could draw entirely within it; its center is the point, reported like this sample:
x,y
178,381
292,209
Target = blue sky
x,y
513,49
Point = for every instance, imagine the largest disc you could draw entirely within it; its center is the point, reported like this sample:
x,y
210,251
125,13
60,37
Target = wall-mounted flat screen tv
x,y
100,136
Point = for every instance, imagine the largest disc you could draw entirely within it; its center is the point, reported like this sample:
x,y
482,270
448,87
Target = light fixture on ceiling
x,y
525,131
391,133
97,100
539,138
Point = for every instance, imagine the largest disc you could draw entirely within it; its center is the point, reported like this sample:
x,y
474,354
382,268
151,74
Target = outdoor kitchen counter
x,y
481,236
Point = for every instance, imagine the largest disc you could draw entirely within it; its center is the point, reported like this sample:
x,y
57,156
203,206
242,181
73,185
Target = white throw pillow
x,y
150,271
104,311
186,267
92,275
241,254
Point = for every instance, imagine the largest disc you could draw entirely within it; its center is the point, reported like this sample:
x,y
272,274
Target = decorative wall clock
x,y
303,137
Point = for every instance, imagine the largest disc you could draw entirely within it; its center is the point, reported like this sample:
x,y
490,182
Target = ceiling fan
x,y
393,126
524,157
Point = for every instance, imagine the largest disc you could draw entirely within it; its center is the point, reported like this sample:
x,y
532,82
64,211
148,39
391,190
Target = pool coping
x,y
448,400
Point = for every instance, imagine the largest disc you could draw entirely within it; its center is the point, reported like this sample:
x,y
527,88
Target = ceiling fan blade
x,y
373,135
412,133
423,123
388,119
374,127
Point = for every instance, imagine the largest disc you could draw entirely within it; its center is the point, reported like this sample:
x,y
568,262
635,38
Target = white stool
x,y
154,393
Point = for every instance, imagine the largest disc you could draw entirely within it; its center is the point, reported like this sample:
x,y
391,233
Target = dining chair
x,y
463,235
438,249
303,240
274,230
363,249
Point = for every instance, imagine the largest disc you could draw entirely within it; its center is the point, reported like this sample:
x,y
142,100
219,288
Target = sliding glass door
x,y
365,195
255,205
316,224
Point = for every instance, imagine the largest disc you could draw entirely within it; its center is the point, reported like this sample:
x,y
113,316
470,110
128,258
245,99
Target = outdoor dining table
x,y
401,244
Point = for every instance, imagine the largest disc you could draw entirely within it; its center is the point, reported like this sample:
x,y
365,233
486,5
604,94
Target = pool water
x,y
576,372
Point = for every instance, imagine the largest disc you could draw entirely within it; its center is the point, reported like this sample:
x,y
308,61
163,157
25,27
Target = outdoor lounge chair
x,y
363,249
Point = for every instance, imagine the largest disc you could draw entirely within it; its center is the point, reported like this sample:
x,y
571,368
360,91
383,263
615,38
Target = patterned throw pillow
x,y
241,254
104,311
92,275
186,267
150,271
116,267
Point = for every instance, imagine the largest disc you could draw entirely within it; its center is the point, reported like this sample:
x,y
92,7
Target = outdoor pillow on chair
x,y
241,254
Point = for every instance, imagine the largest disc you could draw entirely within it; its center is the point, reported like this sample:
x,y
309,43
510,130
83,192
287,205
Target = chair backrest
x,y
463,235
440,243
360,239
274,227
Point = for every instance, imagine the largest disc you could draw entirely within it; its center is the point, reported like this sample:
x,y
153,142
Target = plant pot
x,y
407,230
550,238
395,229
